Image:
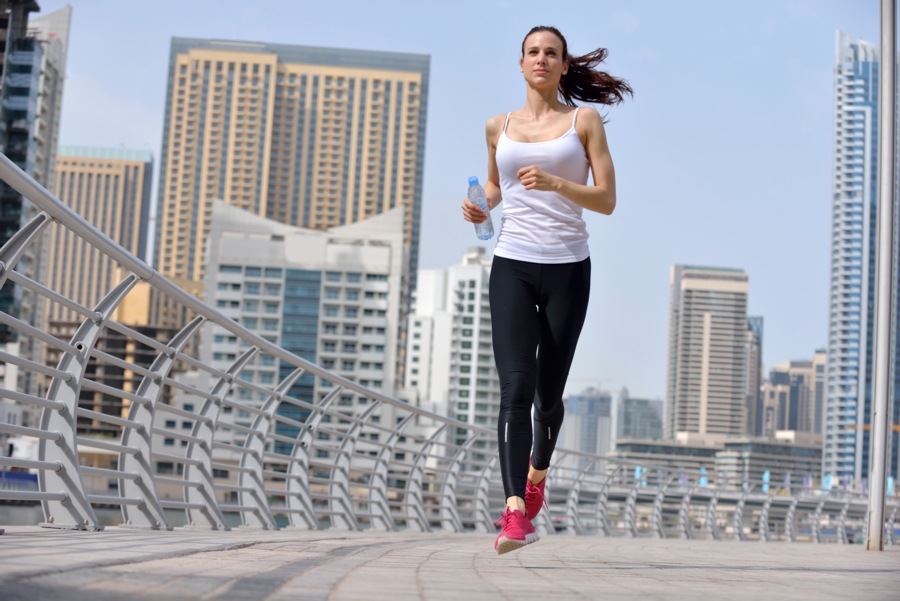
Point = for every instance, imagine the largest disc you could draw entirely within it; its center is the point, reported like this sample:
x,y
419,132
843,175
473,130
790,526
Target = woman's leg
x,y
565,290
516,332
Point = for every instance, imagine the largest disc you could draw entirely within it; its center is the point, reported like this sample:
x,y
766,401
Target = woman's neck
x,y
541,103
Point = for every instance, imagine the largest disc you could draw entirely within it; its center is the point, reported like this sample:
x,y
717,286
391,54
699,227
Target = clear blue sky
x,y
722,158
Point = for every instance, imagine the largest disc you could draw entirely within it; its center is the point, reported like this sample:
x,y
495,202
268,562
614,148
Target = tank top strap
x,y
574,115
505,123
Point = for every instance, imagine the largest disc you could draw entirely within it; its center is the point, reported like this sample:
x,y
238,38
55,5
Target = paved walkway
x,y
298,565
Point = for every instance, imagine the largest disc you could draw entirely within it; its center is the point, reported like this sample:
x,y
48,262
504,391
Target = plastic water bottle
x,y
485,229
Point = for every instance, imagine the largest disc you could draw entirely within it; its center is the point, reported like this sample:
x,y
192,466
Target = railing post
x,y
482,504
790,526
684,514
298,498
201,504
631,530
416,515
842,522
603,502
816,526
711,524
738,520
659,530
151,514
76,511
340,474
378,499
892,519
450,521
253,487
573,520
16,246
763,523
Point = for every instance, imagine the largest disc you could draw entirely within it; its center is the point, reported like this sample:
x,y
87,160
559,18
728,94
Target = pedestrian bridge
x,y
355,460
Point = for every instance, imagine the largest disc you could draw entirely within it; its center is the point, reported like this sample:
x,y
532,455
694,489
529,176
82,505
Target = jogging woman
x,y
538,162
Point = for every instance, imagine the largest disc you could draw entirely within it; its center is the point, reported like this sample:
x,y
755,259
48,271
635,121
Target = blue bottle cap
x,y
473,181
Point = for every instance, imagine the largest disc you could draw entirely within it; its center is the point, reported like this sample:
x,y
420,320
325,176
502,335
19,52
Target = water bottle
x,y
485,229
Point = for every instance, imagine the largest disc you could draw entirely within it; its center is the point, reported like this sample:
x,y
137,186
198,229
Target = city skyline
x,y
628,349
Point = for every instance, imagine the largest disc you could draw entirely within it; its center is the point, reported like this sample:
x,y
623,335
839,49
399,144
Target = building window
x,y
230,269
333,276
353,277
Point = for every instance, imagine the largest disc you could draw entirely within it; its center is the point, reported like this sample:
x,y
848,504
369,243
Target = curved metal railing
x,y
316,464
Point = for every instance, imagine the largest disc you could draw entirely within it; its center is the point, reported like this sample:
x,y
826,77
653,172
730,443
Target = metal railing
x,y
317,463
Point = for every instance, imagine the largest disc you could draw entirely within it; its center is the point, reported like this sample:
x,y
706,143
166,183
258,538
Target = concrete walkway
x,y
298,565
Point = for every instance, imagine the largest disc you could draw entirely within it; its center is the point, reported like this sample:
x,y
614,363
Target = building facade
x,y
791,462
848,394
110,188
334,298
588,425
33,72
637,418
312,137
450,366
707,364
754,403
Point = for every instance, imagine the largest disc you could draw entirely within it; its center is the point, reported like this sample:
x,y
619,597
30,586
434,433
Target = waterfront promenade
x,y
302,565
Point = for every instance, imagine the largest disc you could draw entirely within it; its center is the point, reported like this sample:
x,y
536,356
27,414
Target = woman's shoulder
x,y
494,125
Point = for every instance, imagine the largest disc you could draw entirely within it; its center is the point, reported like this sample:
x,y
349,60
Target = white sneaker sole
x,y
505,545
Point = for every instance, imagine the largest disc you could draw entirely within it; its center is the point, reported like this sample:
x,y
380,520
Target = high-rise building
x,y
848,394
32,71
707,388
312,137
819,363
588,425
793,396
753,426
450,365
637,418
110,188
334,298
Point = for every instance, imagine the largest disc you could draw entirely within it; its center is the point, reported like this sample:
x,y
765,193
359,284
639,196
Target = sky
x,y
723,157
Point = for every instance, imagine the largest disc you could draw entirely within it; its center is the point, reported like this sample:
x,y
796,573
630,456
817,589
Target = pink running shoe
x,y
534,498
517,532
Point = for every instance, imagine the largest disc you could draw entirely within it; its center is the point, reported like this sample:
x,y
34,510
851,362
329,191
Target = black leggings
x,y
537,311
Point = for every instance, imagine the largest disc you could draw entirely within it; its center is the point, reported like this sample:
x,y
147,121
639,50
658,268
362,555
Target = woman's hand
x,y
472,213
535,178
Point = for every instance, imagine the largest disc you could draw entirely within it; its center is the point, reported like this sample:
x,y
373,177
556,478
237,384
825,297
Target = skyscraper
x,y
110,188
450,357
707,387
311,137
753,426
333,298
637,418
33,71
588,425
854,200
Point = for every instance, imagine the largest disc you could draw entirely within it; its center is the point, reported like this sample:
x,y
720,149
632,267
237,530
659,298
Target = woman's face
x,y
543,63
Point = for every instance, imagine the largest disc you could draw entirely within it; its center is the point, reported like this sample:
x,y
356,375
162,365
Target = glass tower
x,y
852,303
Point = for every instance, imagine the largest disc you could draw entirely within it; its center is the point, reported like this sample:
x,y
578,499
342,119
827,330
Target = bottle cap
x,y
473,181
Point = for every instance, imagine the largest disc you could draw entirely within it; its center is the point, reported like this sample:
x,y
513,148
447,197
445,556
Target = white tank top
x,y
541,226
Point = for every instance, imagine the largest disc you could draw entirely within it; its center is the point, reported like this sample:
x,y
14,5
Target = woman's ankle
x,y
537,476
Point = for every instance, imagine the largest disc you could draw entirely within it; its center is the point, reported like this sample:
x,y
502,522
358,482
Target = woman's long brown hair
x,y
583,81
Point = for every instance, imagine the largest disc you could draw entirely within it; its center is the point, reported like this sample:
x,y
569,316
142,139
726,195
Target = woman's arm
x,y
601,197
471,212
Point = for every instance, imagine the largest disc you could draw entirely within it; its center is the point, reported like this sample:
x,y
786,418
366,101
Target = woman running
x,y
538,161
